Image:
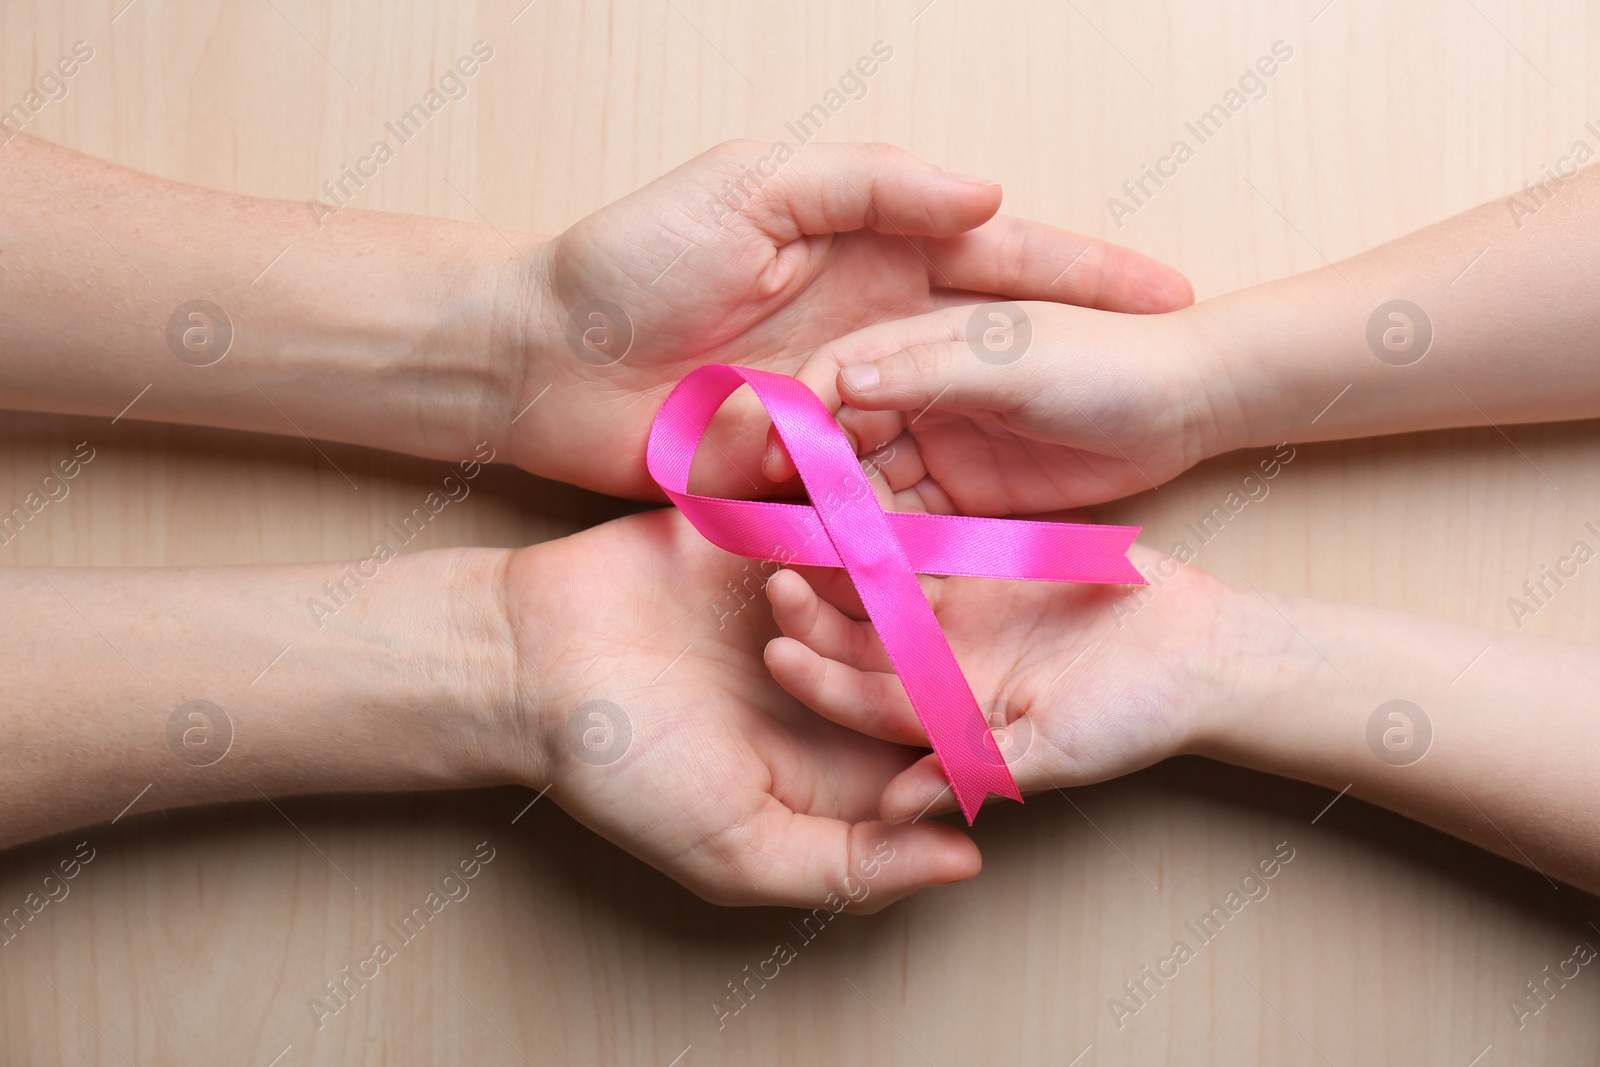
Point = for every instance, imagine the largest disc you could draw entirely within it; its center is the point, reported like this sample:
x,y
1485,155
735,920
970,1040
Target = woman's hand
x,y
647,710
739,256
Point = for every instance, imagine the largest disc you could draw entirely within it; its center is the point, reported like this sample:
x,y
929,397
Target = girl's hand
x,y
1003,409
1081,683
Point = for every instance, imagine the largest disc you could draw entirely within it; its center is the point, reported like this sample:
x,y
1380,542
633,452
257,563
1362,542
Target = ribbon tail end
x,y
970,794
1130,573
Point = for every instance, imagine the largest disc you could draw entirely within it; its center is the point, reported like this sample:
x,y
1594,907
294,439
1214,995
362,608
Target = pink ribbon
x,y
883,552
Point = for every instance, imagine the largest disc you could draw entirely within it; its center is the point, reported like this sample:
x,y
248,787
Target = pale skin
x,y
1208,669
427,336
459,668
462,668
1103,405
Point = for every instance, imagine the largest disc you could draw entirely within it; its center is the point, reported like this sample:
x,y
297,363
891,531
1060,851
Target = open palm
x,y
644,683
1082,682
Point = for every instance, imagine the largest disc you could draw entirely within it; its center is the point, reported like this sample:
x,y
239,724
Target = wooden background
x,y
199,936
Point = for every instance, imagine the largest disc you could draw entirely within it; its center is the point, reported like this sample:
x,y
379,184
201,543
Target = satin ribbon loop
x,y
883,552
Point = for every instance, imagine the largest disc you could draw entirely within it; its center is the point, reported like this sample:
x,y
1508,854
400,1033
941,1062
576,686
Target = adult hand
x,y
746,256
647,708
431,337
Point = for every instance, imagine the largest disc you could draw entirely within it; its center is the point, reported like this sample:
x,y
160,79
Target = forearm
x,y
1501,751
1509,295
392,331
398,681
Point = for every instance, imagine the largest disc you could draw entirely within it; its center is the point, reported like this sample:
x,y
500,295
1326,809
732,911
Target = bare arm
x,y
179,304
1484,734
127,292
1490,316
558,667
1494,740
180,687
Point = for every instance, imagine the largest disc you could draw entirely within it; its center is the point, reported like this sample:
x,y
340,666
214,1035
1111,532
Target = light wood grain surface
x,y
199,936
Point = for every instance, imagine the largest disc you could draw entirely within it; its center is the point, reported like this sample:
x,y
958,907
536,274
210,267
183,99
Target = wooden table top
x,y
200,936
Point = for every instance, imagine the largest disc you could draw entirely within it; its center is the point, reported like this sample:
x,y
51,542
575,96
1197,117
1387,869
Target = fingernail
x,y
860,377
927,809
972,179
769,462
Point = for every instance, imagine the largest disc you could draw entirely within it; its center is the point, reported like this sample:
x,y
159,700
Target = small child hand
x,y
1081,682
1090,405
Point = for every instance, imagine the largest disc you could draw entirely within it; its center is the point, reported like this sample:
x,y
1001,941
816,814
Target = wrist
x,y
391,673
519,733
1255,662
525,329
469,339
1280,356
1223,416
362,327
440,663
400,313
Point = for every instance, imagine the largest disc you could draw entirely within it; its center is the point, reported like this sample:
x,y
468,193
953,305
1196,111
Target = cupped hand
x,y
649,709
1014,409
1081,683
746,255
